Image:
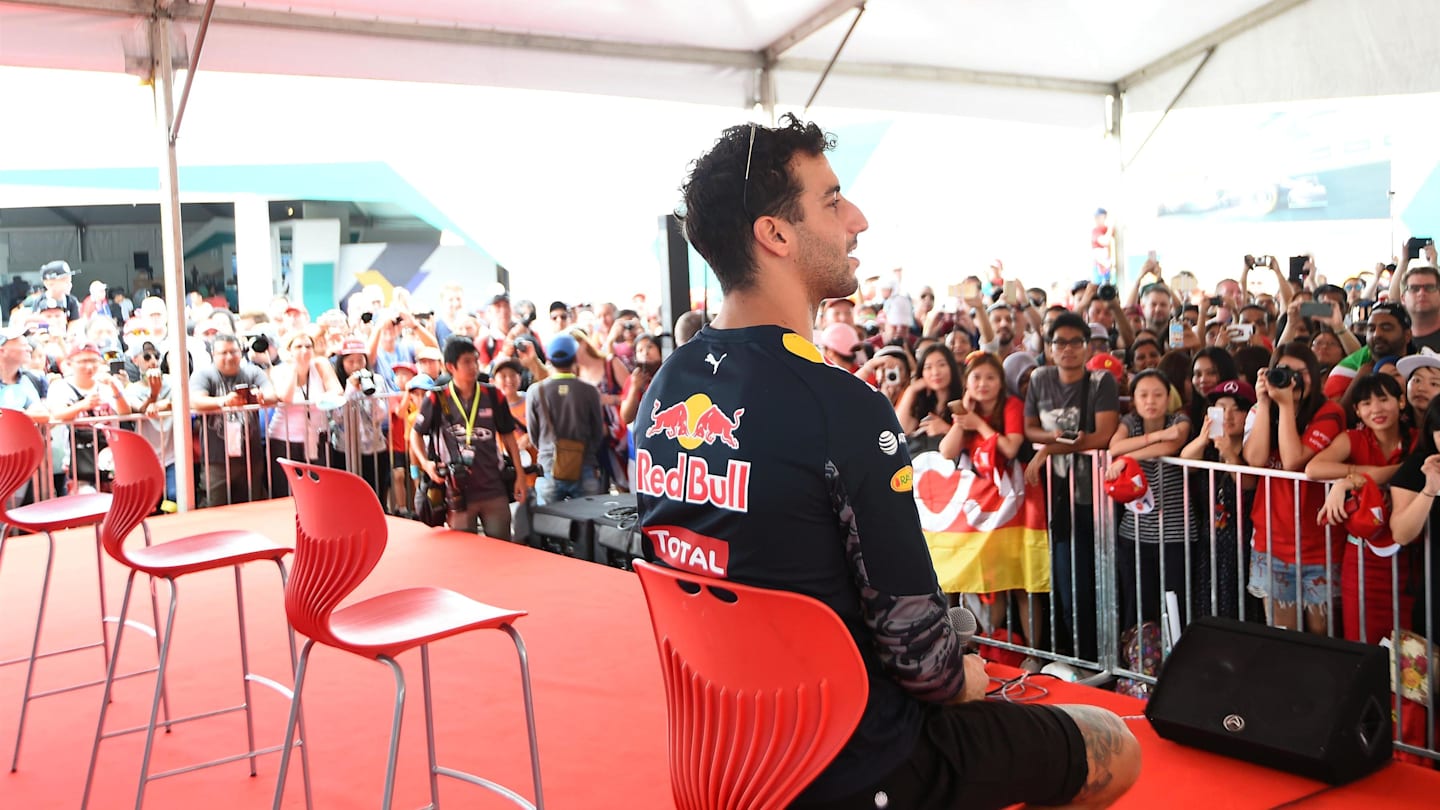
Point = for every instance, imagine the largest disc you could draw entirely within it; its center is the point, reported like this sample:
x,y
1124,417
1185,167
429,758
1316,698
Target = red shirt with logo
x,y
1276,514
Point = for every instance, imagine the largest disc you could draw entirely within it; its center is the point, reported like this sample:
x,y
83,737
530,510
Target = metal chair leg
x,y
294,666
245,672
430,728
105,695
159,689
529,711
35,649
394,729
100,579
290,725
155,617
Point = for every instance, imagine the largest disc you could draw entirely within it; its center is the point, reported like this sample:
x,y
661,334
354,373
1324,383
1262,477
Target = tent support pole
x,y
172,246
859,12
190,74
1168,107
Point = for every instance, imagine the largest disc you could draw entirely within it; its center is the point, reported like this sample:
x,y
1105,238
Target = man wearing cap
x,y
86,391
17,389
56,278
467,421
564,407
560,318
235,469
150,395
841,346
97,302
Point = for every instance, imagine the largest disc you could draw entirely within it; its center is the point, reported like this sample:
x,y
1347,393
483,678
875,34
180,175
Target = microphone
x,y
963,622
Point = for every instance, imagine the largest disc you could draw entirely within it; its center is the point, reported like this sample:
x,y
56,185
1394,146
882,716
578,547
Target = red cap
x,y
1130,485
1107,362
1366,506
353,347
86,348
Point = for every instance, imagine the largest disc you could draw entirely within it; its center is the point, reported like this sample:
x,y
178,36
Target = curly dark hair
x,y
721,205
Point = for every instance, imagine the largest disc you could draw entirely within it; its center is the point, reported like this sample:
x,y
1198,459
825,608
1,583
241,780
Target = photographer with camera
x,y
1100,303
1293,421
464,421
394,337
298,428
647,363
366,411
235,471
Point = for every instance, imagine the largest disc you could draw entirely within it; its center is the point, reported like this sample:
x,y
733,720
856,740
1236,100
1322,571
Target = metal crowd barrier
x,y
1087,578
253,473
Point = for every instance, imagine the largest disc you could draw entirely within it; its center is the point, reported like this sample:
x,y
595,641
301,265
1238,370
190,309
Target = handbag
x,y
569,462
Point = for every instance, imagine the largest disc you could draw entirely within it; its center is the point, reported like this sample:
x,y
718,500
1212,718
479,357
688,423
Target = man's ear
x,y
772,235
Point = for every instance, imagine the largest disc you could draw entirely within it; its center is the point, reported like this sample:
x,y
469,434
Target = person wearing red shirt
x,y
1293,560
1371,452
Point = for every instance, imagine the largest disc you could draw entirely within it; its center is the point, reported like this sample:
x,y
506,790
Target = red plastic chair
x,y
340,533
21,450
764,688
138,487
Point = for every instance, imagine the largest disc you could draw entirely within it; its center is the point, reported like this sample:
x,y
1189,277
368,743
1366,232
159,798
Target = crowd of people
x,y
1331,382
482,398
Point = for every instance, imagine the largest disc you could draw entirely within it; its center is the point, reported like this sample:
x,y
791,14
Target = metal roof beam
x,y
802,30
284,20
1199,46
931,73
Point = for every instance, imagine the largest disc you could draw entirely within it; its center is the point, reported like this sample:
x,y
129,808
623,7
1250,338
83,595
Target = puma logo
x,y
710,358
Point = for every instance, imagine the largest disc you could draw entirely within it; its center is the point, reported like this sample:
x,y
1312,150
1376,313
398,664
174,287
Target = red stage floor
x,y
599,699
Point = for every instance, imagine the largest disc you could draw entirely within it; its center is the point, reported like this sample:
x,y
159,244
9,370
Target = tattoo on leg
x,y
1106,742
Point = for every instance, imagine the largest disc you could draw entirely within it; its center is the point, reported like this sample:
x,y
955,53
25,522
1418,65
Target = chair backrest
x,y
21,448
136,490
764,688
340,533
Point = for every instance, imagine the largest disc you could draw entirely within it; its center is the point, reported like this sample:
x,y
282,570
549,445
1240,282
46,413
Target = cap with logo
x,y
1238,390
1107,362
56,269
1130,484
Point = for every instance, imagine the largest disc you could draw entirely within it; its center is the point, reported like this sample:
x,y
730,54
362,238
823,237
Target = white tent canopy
x,y
1050,61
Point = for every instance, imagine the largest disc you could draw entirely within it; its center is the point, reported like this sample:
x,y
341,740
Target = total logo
x,y
694,422
686,550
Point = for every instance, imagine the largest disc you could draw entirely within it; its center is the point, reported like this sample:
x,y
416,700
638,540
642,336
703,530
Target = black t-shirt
x,y
492,419
757,461
1410,477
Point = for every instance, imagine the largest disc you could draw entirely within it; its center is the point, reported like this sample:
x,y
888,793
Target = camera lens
x,y
1280,377
260,343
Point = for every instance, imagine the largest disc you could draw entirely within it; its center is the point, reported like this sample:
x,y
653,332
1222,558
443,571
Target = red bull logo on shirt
x,y
690,481
694,422
688,551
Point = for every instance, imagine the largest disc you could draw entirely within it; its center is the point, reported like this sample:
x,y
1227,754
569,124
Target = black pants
x,y
1072,539
374,468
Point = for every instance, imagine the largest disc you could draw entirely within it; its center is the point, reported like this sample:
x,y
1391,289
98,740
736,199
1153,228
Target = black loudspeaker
x,y
1307,704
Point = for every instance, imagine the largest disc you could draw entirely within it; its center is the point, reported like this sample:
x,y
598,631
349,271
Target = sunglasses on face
x,y
149,356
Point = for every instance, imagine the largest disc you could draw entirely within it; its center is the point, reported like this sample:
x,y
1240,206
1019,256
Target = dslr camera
x,y
365,381
1281,377
257,342
1107,292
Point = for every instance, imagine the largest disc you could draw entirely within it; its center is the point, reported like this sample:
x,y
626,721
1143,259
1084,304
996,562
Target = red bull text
x,y
690,481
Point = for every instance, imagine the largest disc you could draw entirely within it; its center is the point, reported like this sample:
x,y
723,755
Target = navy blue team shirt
x,y
759,462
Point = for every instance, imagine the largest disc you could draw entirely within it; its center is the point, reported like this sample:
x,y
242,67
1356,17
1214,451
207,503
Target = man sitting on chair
x,y
757,461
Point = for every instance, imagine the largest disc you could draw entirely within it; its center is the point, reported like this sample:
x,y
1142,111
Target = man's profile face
x,y
829,230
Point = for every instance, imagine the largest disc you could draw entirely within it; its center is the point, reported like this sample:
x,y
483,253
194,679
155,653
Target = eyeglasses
x,y
149,356
1068,343
1419,288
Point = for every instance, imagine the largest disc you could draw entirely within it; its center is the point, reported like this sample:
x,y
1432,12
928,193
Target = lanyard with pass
x,y
470,419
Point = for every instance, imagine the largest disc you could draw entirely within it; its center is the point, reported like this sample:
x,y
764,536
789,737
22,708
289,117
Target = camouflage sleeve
x,y
911,632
